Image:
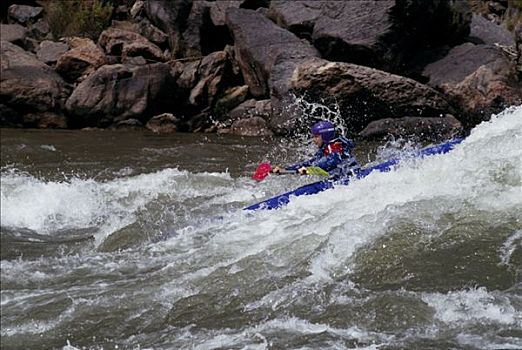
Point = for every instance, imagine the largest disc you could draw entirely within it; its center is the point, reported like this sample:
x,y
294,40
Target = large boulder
x,y
253,126
117,92
488,90
381,34
460,62
145,28
433,129
163,124
189,75
45,120
13,33
251,108
201,84
362,94
487,32
50,51
27,84
24,13
481,79
232,97
40,30
299,17
219,9
171,18
83,58
258,43
206,30
215,75
198,20
285,110
127,44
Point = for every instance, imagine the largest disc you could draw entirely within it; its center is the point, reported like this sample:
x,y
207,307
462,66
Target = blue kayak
x,y
316,187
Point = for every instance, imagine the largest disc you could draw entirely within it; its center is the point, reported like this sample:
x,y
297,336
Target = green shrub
x,y
515,4
77,17
513,16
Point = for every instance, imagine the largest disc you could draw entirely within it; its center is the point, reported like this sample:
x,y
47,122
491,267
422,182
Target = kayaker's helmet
x,y
324,128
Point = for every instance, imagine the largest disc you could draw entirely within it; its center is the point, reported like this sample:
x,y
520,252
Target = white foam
x,y
316,234
257,335
509,247
48,206
473,306
342,220
485,171
35,326
48,148
478,342
69,346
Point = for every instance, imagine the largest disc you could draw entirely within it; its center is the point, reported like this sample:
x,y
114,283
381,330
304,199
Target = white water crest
x,y
426,255
472,306
485,171
485,167
49,206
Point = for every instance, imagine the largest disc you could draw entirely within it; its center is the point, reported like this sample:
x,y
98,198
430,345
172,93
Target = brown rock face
x,y
118,92
171,18
435,129
363,94
379,34
83,58
253,126
480,79
258,43
125,43
27,84
49,51
13,33
163,124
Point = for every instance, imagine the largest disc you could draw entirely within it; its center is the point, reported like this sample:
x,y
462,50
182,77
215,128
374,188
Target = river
x,y
129,240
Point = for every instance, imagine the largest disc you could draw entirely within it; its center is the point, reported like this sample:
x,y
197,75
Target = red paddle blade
x,y
262,171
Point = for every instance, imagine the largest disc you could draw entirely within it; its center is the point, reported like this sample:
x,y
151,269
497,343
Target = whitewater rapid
x,y
428,254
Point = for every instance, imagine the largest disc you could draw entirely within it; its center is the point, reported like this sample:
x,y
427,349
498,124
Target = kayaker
x,y
334,153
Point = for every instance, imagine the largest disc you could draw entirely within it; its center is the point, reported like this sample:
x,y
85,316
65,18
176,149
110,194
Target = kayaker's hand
x,y
276,170
302,171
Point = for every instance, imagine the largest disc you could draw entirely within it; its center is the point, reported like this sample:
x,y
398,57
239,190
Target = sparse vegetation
x,y
511,18
77,17
515,4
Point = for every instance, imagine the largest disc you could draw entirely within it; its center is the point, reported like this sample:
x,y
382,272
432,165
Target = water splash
x,y
435,234
51,206
311,112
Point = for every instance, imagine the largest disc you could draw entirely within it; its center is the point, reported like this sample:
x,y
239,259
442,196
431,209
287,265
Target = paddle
x,y
315,170
264,169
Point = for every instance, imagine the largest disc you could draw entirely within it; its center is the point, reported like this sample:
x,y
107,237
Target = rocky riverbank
x,y
430,69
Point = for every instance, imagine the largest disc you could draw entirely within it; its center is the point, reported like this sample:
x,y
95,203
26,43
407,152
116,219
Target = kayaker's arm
x,y
329,162
277,170
297,166
280,171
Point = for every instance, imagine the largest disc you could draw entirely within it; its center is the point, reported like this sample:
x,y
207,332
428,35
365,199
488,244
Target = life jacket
x,y
333,147
334,157
346,164
340,145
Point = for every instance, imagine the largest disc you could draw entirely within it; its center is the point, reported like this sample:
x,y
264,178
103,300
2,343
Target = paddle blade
x,y
262,171
315,170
